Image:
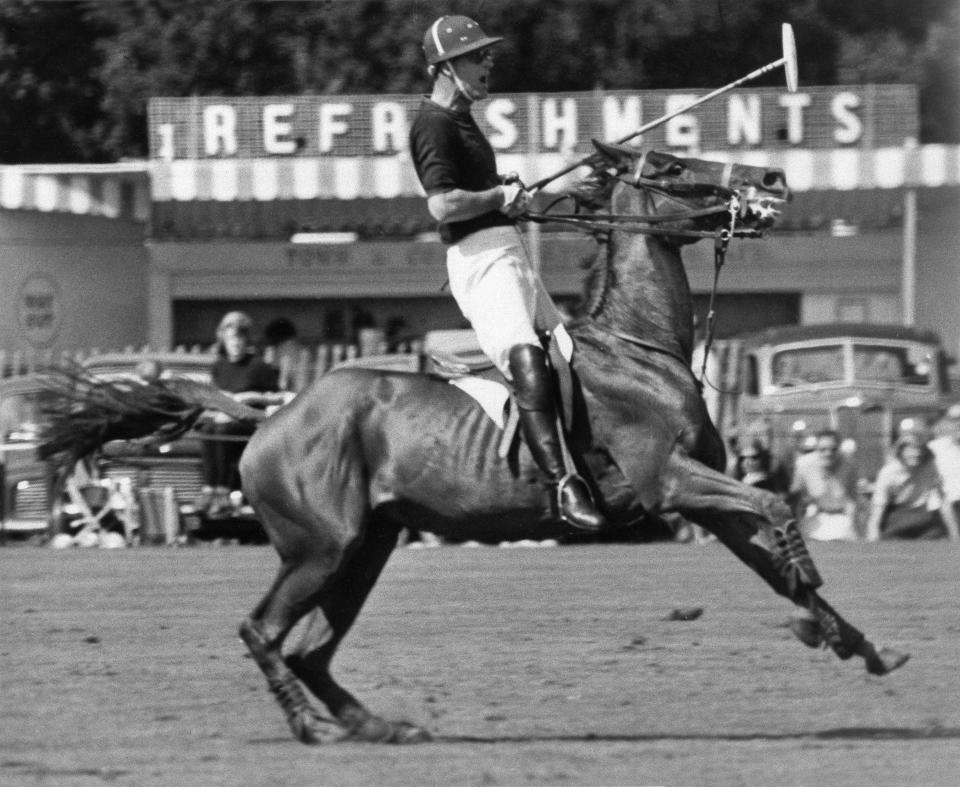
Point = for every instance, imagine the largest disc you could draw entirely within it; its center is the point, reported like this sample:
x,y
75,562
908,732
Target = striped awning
x,y
109,190
386,177
134,190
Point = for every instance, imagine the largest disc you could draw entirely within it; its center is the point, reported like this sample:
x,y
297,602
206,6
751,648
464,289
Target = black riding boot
x,y
538,419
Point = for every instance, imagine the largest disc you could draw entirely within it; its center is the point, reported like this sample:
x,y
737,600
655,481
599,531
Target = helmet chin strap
x,y
468,92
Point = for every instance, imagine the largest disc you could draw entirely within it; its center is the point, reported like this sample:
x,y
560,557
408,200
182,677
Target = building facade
x,y
210,222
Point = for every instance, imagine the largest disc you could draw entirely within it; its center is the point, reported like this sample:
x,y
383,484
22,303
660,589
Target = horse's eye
x,y
676,169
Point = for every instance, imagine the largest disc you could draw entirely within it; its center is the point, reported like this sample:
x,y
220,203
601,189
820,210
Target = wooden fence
x,y
297,369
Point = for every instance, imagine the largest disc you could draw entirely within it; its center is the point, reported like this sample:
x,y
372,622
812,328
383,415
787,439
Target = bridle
x,y
652,224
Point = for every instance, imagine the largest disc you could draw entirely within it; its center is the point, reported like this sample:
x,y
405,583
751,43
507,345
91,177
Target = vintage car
x,y
148,464
862,380
25,506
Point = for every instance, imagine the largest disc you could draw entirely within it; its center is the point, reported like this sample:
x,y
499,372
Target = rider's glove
x,y
516,199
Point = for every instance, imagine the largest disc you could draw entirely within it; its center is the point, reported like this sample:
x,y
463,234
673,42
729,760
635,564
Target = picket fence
x,y
298,369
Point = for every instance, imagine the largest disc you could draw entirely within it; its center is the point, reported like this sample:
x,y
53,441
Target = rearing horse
x,y
337,473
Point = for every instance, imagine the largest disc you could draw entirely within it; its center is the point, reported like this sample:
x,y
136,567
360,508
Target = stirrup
x,y
561,485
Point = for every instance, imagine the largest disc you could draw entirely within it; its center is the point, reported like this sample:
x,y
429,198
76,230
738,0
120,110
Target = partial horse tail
x,y
85,412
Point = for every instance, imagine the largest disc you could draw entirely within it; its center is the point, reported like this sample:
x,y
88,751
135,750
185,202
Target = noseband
x,y
649,224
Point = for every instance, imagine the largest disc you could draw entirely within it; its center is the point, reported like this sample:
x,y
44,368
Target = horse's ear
x,y
615,154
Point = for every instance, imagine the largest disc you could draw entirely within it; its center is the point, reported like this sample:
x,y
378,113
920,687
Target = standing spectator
x,y
908,494
824,488
946,454
239,371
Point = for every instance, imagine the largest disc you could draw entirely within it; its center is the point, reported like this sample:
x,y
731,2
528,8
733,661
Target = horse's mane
x,y
590,194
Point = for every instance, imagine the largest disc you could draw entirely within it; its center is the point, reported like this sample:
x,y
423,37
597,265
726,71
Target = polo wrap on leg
x,y
791,558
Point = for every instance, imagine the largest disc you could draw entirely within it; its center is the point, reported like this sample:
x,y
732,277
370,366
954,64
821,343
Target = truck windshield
x,y
808,365
911,365
892,364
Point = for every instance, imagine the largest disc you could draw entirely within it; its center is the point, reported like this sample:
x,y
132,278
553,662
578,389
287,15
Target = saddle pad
x,y
491,395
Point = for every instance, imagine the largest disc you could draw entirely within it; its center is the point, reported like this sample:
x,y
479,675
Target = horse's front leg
x,y
759,528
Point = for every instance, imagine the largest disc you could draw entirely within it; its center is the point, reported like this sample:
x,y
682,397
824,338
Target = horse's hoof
x,y
304,732
886,660
405,733
807,630
373,729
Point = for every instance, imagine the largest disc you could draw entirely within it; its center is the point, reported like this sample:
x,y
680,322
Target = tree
x,y
75,77
50,90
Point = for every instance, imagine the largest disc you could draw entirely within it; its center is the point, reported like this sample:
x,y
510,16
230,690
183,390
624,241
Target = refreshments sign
x,y
860,116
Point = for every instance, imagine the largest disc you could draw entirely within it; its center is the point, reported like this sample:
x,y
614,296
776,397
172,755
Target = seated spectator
x,y
755,467
908,493
946,455
824,491
779,466
239,371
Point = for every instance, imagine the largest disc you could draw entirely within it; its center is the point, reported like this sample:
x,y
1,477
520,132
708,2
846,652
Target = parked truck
x,y
864,381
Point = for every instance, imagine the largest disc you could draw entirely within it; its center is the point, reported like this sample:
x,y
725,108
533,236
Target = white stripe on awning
x,y
121,190
127,190
393,176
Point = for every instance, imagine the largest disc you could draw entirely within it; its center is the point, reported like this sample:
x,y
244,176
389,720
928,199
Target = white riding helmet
x,y
452,36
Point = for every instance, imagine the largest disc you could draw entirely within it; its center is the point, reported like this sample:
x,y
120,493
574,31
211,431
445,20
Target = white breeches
x,y
499,292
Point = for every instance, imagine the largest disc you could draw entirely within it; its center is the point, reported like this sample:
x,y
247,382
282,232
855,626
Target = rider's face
x,y
474,69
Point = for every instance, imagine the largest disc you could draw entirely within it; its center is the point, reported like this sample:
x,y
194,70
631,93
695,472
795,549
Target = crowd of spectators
x,y
915,494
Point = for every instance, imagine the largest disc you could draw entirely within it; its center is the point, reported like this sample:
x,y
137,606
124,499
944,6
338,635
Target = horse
x,y
336,474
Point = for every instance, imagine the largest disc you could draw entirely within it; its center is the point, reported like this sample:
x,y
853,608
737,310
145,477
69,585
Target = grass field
x,y
539,666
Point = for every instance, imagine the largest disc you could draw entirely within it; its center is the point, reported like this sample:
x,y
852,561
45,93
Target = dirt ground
x,y
530,666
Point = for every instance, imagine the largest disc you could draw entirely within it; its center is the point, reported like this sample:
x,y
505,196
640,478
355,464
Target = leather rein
x,y
648,225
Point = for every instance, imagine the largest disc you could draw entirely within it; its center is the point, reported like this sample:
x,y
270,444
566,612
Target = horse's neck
x,y
645,292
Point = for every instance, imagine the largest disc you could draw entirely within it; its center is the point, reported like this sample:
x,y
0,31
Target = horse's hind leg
x,y
312,645
307,565
759,528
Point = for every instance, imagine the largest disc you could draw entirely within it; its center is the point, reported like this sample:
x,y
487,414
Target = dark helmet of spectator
x,y
279,330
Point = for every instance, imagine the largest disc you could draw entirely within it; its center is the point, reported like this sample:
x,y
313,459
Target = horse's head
x,y
684,194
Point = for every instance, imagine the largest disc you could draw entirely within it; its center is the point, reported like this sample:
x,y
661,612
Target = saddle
x,y
456,356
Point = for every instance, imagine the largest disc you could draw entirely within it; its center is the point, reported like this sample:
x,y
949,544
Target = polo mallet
x,y
788,61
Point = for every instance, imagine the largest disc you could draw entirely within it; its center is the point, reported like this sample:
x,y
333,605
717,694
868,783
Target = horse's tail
x,y
84,411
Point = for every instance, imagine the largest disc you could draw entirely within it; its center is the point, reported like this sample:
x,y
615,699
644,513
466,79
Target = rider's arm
x,y
460,205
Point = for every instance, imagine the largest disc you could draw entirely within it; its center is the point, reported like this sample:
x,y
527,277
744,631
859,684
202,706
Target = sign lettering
x,y
816,117
39,309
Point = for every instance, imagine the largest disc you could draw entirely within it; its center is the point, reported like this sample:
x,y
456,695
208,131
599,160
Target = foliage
x,y
79,74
